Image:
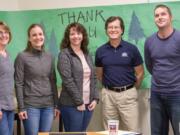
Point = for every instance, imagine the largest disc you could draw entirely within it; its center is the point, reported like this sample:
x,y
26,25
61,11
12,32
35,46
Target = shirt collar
x,y
37,52
120,45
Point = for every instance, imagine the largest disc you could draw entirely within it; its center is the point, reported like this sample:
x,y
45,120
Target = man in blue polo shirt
x,y
120,69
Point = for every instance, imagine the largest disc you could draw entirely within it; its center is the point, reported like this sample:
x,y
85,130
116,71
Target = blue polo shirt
x,y
118,63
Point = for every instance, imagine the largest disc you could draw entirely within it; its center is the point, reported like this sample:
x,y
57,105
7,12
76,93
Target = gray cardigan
x,y
6,84
35,80
71,71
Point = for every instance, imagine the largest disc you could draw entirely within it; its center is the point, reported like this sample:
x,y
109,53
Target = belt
x,y
120,89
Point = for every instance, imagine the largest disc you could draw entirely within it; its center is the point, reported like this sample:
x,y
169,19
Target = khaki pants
x,y
122,106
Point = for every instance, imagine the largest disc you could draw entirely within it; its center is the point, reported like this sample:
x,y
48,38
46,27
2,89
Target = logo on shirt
x,y
124,54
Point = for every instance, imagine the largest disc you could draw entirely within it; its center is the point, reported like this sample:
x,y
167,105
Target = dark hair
x,y
6,28
29,45
164,6
65,43
113,18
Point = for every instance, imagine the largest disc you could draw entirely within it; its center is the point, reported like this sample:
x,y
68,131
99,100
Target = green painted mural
x,y
138,19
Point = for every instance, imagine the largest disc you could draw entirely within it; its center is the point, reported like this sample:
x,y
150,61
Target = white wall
x,y
6,5
10,5
162,0
35,4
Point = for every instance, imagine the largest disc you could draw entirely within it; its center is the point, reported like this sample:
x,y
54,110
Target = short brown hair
x,y
6,28
163,6
113,18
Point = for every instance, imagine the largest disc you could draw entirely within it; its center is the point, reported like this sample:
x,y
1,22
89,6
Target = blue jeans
x,y
7,123
39,120
74,120
165,108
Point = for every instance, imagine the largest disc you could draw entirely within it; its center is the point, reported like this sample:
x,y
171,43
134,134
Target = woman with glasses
x,y
7,106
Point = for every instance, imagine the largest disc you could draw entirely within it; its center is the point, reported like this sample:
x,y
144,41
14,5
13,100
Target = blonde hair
x,y
6,28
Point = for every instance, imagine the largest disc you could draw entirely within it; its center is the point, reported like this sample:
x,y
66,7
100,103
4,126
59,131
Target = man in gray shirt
x,y
162,58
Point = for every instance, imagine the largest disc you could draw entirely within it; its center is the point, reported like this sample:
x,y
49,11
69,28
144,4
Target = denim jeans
x,y
39,120
7,123
74,120
165,108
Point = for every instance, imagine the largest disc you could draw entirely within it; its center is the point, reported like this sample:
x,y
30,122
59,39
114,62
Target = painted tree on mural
x,y
52,43
135,31
45,35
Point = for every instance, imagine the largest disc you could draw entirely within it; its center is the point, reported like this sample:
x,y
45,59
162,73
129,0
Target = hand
x,y
81,107
23,115
92,105
56,113
1,115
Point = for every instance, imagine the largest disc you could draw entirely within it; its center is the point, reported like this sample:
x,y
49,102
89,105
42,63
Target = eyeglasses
x,y
113,27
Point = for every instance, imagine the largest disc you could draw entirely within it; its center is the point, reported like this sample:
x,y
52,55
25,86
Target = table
x,y
89,133
70,133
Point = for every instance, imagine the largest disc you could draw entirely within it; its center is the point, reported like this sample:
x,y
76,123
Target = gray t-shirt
x,y
6,83
162,58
